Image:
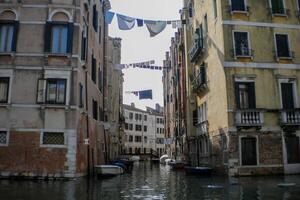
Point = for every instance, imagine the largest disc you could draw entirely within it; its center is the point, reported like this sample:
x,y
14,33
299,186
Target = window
x,y
138,138
161,120
56,91
157,120
140,117
95,110
145,139
277,6
145,117
282,46
138,127
191,9
130,127
8,36
3,138
298,6
130,138
53,138
100,85
4,89
205,24
245,95
58,37
126,126
145,128
293,149
248,151
157,130
94,70
215,8
80,95
136,116
287,95
83,45
241,44
238,5
130,115
202,113
95,18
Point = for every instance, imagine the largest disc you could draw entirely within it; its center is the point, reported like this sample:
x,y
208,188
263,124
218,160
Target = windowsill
x,y
12,54
55,106
279,15
4,145
53,146
284,58
236,57
4,105
59,55
243,12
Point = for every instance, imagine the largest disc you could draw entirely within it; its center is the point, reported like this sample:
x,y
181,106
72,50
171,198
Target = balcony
x,y
249,118
290,117
199,83
195,51
202,128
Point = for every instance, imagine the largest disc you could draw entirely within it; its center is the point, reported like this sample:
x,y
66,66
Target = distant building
x,y
144,130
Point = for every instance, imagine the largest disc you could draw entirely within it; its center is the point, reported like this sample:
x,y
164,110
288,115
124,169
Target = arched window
x,y
8,31
59,33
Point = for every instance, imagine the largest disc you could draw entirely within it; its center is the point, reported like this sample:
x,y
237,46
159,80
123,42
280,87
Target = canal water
x,y
153,182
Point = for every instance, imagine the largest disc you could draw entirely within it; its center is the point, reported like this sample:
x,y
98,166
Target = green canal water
x,y
153,182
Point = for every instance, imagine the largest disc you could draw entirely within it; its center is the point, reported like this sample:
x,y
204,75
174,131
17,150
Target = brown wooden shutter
x,y
47,37
252,98
15,36
70,37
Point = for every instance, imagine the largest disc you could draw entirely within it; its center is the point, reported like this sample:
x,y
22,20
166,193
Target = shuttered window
x,y
249,154
238,5
94,70
282,45
80,95
195,117
95,18
56,91
245,95
58,37
8,35
95,109
83,45
278,7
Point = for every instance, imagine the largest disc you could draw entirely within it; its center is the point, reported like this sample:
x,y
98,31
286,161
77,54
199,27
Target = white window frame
x,y
53,145
240,151
7,137
240,11
295,94
277,14
249,44
8,73
54,74
289,45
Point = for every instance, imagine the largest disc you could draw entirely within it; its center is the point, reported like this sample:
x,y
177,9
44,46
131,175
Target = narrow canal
x,y
153,182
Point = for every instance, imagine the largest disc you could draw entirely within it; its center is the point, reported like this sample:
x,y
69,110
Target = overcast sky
x,y
137,46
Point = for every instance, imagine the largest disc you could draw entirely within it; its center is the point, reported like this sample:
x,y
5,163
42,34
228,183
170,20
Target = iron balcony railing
x,y
249,117
200,81
202,128
290,117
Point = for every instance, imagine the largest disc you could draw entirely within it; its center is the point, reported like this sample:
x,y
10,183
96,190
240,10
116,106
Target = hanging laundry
x,y
156,28
140,22
109,17
125,22
174,24
145,94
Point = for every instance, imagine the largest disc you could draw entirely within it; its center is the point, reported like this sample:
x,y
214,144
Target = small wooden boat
x,y
200,171
155,161
127,165
177,165
163,158
108,170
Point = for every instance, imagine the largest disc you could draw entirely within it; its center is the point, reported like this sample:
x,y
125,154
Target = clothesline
x,y
154,26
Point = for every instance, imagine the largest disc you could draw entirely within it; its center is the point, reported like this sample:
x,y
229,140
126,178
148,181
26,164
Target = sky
x,y
138,46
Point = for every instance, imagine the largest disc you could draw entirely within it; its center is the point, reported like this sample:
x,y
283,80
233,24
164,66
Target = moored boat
x,y
108,170
163,158
177,165
201,171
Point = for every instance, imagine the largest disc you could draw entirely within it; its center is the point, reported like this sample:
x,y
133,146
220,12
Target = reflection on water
x,y
153,182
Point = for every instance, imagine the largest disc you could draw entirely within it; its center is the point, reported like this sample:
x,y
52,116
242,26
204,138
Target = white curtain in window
x,y
6,38
3,91
59,39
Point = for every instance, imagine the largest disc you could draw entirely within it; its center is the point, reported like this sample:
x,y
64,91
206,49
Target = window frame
x,y
65,92
278,14
53,145
238,106
234,45
239,11
295,94
8,82
15,24
256,148
288,43
7,137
